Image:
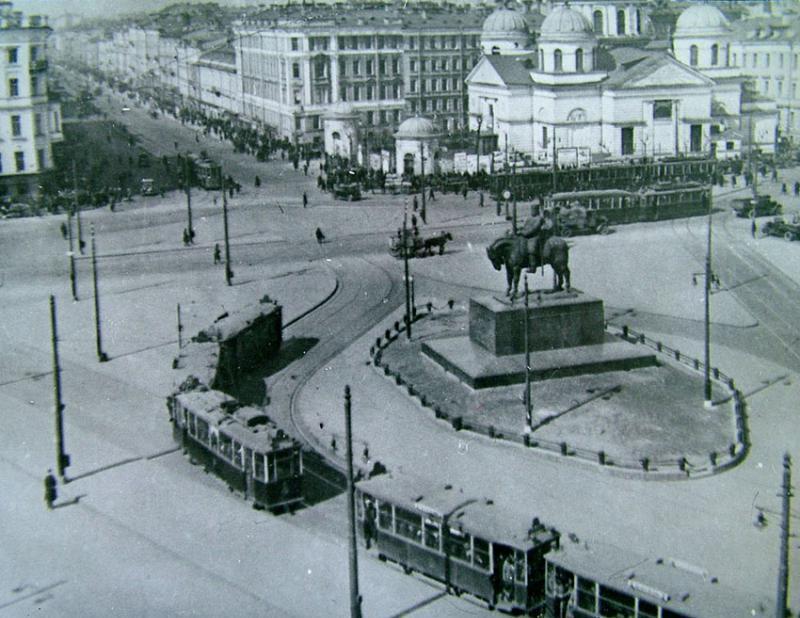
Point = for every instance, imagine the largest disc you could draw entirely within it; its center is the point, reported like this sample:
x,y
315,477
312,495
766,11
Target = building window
x,y
620,23
638,22
37,124
342,68
597,19
356,67
627,140
662,110
295,44
729,145
56,123
370,92
19,160
16,126
296,70
40,162
370,118
780,61
693,55
34,53
766,60
780,88
413,85
13,87
369,67
734,59
35,90
382,67
544,137
557,61
13,55
755,60
412,65
395,66
714,55
579,60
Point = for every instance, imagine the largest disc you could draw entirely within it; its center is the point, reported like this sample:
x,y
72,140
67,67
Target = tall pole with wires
x,y
187,177
355,597
98,333
77,208
407,278
73,281
528,403
228,270
707,317
782,602
62,459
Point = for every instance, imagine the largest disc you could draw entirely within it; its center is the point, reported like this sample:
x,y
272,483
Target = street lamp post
x,y
77,208
62,459
228,270
355,598
187,173
423,212
101,356
707,317
73,282
407,278
528,404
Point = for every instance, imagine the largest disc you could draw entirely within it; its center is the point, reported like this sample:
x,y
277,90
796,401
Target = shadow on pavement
x,y
420,605
251,389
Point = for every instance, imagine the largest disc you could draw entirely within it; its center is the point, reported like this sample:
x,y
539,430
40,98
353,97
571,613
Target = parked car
x,y
762,205
347,191
781,228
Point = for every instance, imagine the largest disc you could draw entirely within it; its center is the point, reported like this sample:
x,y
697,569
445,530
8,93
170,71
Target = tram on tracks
x,y
533,183
240,445
659,202
471,545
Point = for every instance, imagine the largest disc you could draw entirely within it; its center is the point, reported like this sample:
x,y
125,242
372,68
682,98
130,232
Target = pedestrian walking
x,y
413,220
319,236
64,230
753,228
774,174
784,189
258,181
176,145
305,169
464,191
50,489
415,204
797,188
480,199
431,195
217,254
305,199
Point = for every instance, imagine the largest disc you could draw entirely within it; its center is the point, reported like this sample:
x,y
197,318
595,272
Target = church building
x,y
571,99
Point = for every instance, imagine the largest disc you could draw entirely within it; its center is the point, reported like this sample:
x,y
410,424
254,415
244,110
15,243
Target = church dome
x,y
701,19
505,21
416,127
565,22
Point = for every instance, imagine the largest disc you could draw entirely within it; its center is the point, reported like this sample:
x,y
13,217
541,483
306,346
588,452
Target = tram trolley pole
x,y
355,598
62,459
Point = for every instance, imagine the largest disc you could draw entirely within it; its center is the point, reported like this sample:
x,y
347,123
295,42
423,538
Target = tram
x,y
658,202
241,446
470,544
533,183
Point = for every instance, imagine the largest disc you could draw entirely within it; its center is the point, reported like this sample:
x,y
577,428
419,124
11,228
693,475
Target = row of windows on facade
x,y
353,67
13,87
19,161
367,93
371,118
12,54
775,87
38,124
558,60
766,60
598,22
442,104
390,42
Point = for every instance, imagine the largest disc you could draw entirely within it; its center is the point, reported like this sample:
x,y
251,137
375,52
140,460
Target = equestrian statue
x,y
533,247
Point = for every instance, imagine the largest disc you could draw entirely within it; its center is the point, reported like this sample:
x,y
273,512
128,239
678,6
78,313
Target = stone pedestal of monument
x,y
566,337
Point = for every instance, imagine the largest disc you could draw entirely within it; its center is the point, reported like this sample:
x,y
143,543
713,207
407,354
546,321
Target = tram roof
x,y
198,360
263,438
424,497
670,582
599,192
229,326
487,520
204,401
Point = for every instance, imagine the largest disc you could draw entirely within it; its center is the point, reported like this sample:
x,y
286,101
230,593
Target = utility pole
x,y
708,403
77,208
407,278
73,281
187,174
555,161
514,193
62,459
422,213
228,271
101,356
180,329
355,598
528,404
783,568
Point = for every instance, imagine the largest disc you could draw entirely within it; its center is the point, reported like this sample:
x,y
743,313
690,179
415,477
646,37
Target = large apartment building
x,y
29,122
386,64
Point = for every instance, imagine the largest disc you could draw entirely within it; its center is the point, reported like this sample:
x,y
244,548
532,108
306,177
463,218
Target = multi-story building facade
x,y
387,64
29,121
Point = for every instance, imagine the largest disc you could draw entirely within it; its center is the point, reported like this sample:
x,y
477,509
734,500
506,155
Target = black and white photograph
x,y
400,308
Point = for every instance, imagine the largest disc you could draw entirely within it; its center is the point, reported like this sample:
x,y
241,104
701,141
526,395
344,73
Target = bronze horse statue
x,y
513,253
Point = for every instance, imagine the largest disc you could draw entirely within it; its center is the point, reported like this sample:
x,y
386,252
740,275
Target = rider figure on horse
x,y
537,230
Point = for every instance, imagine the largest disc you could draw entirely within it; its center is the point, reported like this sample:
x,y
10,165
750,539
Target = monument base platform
x,y
479,368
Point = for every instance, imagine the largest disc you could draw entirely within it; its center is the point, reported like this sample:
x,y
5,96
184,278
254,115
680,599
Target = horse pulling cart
x,y
418,246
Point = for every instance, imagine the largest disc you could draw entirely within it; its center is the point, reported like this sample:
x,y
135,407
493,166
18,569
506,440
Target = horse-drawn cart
x,y
418,246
